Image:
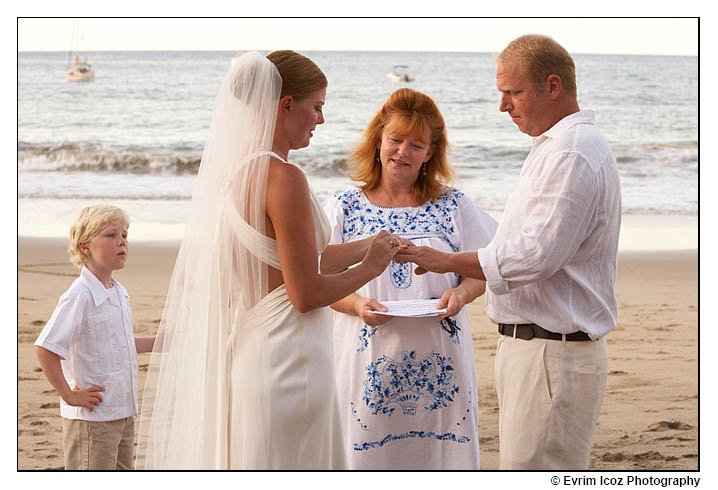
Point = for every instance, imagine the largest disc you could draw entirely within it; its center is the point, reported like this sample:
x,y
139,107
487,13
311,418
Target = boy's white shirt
x,y
91,329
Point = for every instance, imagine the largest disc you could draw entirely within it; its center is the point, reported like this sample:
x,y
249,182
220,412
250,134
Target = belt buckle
x,y
530,335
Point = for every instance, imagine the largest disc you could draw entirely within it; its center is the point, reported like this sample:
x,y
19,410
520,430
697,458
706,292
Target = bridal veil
x,y
220,274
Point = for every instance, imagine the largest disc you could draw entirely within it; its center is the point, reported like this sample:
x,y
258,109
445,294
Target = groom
x,y
551,268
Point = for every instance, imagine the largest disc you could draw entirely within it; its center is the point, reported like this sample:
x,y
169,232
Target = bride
x,y
242,372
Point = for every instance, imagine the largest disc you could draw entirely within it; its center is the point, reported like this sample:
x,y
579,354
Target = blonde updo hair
x,y
409,113
301,77
541,56
88,224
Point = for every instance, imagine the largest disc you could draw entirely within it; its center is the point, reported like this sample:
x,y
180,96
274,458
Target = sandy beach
x,y
649,418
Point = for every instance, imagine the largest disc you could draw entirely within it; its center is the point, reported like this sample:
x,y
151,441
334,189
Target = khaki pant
x,y
98,445
550,395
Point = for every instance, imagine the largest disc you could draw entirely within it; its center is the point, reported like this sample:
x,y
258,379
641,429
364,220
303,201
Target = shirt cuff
x,y
490,265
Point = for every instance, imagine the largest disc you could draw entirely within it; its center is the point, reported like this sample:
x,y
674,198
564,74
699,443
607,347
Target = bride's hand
x,y
381,250
402,243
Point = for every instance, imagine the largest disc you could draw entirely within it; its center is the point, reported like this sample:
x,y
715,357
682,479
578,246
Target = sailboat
x,y
81,71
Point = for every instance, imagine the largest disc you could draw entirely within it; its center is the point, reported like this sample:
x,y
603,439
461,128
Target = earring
x,y
423,169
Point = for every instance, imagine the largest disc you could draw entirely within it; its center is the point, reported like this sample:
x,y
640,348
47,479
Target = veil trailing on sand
x,y
220,274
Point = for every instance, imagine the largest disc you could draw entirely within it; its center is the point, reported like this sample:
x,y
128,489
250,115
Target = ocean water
x,y
134,136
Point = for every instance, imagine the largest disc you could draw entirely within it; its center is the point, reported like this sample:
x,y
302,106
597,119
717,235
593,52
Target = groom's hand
x,y
426,258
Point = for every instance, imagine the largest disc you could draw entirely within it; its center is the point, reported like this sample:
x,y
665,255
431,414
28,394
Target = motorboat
x,y
400,73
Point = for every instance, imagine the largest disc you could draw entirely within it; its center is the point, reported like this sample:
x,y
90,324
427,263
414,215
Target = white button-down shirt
x,y
91,330
554,257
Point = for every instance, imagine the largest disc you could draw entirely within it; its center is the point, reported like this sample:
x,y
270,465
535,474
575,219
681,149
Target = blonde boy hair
x,y
88,224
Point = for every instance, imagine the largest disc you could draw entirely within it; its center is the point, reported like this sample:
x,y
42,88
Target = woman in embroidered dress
x,y
407,386
242,373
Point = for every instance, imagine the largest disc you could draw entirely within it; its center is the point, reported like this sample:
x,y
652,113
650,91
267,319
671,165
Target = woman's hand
x,y
453,300
456,298
365,308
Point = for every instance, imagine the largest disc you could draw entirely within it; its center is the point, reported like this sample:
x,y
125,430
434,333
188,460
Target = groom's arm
x,y
427,259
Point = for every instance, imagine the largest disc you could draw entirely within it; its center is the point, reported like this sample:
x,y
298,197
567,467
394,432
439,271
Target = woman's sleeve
x,y
476,228
335,214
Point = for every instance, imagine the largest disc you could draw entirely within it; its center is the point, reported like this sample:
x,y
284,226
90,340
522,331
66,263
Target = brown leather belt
x,y
528,331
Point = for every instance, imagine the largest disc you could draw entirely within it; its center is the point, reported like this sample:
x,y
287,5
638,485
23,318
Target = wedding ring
x,y
391,242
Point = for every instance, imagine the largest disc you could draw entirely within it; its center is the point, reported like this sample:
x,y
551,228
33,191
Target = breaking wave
x,y
72,157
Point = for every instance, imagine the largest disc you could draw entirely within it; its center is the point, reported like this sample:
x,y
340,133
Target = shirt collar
x,y
580,117
100,293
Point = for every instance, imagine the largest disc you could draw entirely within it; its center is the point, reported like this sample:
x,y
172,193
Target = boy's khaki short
x,y
98,445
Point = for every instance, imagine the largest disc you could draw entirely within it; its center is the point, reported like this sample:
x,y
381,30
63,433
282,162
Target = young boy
x,y
88,344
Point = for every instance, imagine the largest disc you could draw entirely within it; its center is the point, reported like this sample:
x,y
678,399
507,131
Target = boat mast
x,y
73,41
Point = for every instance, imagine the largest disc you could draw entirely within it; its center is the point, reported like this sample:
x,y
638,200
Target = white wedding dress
x,y
293,351
238,378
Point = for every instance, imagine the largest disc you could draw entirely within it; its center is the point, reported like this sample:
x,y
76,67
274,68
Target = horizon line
x,y
178,50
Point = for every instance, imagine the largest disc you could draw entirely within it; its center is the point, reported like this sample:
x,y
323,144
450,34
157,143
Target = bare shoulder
x,y
282,174
285,183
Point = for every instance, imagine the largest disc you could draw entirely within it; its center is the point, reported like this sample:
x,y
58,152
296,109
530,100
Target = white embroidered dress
x,y
407,388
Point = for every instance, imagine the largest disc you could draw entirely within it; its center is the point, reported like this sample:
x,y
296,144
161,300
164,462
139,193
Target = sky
x,y
643,36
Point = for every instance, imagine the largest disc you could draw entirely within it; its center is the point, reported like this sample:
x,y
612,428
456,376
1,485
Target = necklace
x,y
276,150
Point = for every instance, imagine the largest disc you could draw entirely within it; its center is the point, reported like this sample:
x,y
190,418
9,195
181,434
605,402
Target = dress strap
x,y
276,155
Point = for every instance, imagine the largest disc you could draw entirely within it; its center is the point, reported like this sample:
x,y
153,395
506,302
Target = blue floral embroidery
x,y
431,219
448,436
406,383
364,336
401,274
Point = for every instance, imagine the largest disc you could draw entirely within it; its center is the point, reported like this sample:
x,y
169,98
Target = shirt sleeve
x,y
559,215
476,227
58,333
335,214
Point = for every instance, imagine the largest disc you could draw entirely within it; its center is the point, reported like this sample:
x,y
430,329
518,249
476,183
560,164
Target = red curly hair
x,y
408,112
